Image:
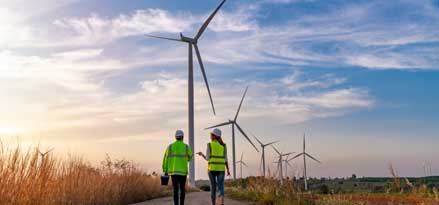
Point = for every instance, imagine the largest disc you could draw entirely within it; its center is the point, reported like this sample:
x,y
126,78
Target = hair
x,y
218,139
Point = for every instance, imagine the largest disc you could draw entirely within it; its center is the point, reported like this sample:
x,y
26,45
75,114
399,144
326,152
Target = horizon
x,y
359,78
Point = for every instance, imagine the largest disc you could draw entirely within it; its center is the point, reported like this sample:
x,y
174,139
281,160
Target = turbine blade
x,y
197,51
288,153
303,142
164,38
240,104
218,125
271,143
206,23
257,139
244,164
245,135
296,156
242,155
276,150
313,158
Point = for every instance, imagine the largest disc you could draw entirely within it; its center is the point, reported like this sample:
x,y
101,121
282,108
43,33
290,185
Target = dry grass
x,y
33,177
395,195
268,191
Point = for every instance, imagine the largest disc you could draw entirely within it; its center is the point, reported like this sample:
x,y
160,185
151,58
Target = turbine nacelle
x,y
187,39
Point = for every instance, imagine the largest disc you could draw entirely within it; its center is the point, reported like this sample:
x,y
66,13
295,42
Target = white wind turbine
x,y
263,152
241,162
287,164
235,123
305,154
193,43
280,161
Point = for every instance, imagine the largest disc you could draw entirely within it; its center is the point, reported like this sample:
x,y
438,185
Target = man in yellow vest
x,y
175,161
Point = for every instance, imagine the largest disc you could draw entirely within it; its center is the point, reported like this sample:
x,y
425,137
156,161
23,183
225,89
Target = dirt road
x,y
194,198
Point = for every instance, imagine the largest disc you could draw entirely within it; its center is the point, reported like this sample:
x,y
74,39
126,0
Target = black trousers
x,y
179,185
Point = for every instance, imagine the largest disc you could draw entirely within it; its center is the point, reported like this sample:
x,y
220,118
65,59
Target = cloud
x,y
97,30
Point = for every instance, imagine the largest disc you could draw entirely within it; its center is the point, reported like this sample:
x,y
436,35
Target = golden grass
x,y
268,191
31,177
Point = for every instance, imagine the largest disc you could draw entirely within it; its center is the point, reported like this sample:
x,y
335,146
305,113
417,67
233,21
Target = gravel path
x,y
194,198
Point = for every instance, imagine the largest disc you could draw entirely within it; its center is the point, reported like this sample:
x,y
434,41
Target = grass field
x,y
270,191
34,178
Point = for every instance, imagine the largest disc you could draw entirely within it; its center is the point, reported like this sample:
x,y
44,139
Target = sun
x,y
10,130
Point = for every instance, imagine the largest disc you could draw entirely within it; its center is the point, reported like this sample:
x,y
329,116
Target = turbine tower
x,y
241,162
193,43
280,161
263,152
235,123
305,154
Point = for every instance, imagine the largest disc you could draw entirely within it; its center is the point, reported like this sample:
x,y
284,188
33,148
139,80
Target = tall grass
x,y
32,177
398,192
271,191
268,191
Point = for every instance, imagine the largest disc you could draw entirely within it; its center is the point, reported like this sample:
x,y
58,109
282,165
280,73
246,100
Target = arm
x,y
206,157
202,155
207,154
227,161
191,156
165,162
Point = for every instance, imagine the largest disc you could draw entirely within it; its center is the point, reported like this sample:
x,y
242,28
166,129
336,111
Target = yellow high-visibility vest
x,y
177,156
217,158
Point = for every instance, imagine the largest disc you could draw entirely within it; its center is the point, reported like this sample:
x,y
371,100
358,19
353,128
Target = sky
x,y
360,78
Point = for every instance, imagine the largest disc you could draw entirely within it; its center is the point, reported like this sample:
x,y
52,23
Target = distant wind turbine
x,y
241,162
263,152
305,154
235,123
280,161
287,164
193,43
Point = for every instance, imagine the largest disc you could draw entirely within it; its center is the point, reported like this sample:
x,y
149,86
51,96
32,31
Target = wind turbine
x,y
193,43
287,164
241,162
235,123
263,152
305,154
280,161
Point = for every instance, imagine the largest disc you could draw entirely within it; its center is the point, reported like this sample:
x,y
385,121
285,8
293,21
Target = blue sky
x,y
359,77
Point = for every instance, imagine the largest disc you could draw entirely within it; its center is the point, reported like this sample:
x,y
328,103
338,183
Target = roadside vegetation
x,y
350,191
38,178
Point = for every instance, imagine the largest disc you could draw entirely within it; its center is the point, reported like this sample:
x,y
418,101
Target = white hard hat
x,y
179,133
216,132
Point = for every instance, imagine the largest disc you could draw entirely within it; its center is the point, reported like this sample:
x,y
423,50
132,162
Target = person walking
x,y
175,163
216,156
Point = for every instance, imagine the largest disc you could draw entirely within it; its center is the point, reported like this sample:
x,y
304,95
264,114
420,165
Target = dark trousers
x,y
179,185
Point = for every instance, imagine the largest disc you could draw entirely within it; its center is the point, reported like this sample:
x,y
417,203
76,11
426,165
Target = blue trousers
x,y
216,179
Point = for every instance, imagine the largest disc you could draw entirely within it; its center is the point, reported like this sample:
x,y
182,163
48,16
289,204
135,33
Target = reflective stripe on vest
x,y
170,154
